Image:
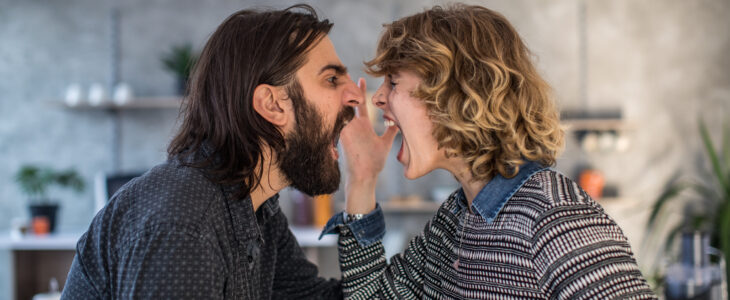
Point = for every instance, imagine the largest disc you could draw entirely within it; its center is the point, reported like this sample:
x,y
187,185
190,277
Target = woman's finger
x,y
362,108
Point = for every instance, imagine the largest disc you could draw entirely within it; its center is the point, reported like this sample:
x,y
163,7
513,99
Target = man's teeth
x,y
388,123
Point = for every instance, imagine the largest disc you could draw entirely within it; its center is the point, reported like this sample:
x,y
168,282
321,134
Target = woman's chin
x,y
411,173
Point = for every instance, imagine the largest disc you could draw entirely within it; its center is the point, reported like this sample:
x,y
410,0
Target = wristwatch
x,y
352,217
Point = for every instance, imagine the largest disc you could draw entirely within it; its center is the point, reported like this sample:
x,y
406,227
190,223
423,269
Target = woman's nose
x,y
379,98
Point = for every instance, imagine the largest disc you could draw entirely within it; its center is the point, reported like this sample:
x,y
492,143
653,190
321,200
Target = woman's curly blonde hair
x,y
488,103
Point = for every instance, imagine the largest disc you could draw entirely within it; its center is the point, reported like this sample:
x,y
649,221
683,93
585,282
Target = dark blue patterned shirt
x,y
174,234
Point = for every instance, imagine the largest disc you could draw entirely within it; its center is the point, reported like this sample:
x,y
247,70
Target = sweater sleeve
x,y
367,275
581,253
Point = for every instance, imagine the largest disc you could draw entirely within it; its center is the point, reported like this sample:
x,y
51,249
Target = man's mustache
x,y
345,116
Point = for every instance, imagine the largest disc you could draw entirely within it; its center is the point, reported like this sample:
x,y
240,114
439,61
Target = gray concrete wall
x,y
662,62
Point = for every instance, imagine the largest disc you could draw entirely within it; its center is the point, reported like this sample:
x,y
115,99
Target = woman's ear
x,y
270,104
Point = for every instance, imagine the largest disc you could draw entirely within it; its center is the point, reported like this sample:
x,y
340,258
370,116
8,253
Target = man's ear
x,y
270,104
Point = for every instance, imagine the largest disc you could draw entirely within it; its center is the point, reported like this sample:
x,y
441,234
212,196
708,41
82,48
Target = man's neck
x,y
272,181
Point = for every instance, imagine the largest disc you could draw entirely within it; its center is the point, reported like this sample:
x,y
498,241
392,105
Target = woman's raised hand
x,y
365,155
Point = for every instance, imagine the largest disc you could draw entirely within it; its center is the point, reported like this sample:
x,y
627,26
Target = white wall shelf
x,y
306,236
136,103
595,124
410,207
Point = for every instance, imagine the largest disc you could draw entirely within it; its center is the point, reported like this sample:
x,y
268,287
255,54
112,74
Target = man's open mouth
x,y
336,140
342,119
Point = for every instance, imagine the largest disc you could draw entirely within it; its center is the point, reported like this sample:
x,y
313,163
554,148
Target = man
x,y
267,101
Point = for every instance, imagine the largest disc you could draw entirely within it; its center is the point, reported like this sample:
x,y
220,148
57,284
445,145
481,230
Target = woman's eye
x,y
392,84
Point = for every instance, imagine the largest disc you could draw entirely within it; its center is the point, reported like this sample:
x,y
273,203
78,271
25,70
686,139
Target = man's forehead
x,y
323,57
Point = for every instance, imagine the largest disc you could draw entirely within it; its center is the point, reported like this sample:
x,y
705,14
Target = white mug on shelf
x,y
622,143
122,93
73,94
606,141
97,94
590,142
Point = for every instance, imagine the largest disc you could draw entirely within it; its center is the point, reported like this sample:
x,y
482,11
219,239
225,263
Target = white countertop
x,y
56,241
309,237
306,236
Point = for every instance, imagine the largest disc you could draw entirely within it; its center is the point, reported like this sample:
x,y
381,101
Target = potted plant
x,y
180,60
712,213
35,181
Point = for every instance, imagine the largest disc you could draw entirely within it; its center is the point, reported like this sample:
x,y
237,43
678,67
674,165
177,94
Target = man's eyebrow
x,y
339,69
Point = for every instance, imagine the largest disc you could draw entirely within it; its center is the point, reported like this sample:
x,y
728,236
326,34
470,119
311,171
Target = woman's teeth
x,y
388,123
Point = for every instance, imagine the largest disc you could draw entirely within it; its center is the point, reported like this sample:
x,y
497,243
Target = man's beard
x,y
306,160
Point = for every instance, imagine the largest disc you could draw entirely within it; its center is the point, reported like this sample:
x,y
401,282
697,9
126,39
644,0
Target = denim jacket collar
x,y
493,196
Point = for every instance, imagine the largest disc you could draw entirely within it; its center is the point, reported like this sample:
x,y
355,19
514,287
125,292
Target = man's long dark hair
x,y
249,48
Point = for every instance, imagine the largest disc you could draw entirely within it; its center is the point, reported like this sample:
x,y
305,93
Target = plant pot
x,y
45,210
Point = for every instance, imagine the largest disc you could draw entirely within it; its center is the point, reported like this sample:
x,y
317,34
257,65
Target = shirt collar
x,y
246,221
270,207
493,196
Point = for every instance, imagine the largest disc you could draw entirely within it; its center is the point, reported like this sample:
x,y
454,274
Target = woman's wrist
x,y
360,196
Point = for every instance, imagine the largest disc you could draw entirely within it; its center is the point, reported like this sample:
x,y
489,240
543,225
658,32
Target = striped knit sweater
x,y
549,241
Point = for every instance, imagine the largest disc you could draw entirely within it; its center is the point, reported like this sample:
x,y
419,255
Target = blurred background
x,y
90,91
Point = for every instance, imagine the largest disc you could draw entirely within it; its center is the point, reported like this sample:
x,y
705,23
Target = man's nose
x,y
352,96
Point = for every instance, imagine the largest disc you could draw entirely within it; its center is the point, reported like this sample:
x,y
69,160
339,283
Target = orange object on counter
x,y
41,225
592,181
322,209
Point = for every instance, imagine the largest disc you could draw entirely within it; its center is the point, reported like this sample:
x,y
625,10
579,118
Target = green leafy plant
x,y
34,181
180,60
712,213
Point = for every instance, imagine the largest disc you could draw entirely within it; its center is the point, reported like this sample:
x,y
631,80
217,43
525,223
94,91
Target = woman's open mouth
x,y
390,122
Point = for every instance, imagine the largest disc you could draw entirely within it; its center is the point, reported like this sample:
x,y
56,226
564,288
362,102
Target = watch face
x,y
352,217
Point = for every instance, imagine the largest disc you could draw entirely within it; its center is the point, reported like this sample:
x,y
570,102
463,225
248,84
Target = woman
x,y
461,88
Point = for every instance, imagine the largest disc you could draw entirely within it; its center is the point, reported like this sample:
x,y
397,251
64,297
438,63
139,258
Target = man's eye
x,y
332,80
